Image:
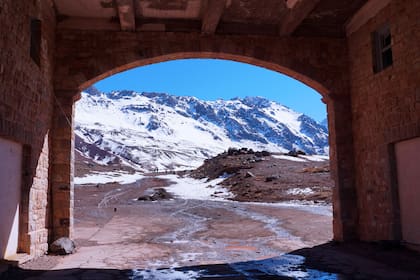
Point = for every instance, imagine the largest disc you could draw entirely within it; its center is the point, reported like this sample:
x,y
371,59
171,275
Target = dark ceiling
x,y
321,18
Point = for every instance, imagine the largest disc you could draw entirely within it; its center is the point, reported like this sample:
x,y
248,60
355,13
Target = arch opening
x,y
236,215
317,86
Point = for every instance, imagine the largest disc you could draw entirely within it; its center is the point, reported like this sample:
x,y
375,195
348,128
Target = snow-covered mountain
x,y
150,131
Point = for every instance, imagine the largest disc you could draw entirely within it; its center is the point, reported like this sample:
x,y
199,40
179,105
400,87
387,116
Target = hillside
x,y
158,131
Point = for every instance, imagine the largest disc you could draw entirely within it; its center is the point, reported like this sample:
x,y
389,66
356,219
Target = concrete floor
x,y
179,233
189,239
118,237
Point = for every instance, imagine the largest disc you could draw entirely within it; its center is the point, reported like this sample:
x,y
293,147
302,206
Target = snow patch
x,y
108,177
190,188
298,159
316,158
300,191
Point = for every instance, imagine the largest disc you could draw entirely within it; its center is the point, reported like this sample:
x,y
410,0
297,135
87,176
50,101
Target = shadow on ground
x,y
327,261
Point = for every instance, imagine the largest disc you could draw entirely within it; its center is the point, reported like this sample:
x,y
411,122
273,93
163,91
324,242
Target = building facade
x,y
362,56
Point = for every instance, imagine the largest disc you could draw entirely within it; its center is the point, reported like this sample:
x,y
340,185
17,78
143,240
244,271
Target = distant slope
x,y
150,131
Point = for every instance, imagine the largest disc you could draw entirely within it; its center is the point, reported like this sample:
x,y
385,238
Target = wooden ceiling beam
x,y
364,14
88,24
126,14
212,15
293,17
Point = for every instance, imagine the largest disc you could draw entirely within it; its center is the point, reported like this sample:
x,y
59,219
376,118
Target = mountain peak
x,y
167,130
257,101
154,94
122,94
92,90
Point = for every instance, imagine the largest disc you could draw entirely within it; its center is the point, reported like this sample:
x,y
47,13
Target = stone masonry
x,y
26,98
385,109
368,113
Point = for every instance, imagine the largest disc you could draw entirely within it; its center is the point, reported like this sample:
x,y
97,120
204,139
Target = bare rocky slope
x,y
266,177
251,176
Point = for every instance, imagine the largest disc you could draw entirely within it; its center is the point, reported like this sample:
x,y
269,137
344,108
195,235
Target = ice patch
x,y
272,224
164,274
286,265
190,188
325,210
189,256
108,177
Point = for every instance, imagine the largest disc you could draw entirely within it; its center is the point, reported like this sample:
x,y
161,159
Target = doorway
x,y
408,170
10,184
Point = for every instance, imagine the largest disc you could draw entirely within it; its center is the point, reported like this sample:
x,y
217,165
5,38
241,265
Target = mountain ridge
x,y
151,130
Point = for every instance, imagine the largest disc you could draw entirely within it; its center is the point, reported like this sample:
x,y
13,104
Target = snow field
x,y
108,177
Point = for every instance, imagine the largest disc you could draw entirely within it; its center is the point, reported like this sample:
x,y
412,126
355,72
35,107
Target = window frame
x,y
35,40
382,49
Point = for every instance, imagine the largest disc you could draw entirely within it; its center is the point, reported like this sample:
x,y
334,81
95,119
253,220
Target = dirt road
x,y
114,230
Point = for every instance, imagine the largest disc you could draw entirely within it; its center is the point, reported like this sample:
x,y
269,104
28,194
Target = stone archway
x,y
84,57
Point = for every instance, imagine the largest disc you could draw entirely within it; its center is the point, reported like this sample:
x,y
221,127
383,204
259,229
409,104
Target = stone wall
x,y
386,109
62,165
26,96
368,112
84,57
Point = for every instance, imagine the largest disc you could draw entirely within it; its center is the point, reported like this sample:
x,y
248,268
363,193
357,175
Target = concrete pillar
x,y
345,207
62,170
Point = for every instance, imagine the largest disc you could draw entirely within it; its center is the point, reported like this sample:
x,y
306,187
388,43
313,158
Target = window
x,y
35,48
382,52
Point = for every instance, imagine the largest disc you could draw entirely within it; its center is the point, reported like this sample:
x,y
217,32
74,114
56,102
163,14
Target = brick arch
x,y
323,91
84,57
319,63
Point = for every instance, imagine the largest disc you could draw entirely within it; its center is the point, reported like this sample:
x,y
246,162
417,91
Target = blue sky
x,y
211,79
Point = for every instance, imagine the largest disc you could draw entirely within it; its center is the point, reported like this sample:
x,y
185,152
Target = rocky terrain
x,y
266,177
251,176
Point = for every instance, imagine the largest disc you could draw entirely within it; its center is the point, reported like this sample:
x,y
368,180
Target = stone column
x,y
345,207
62,170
